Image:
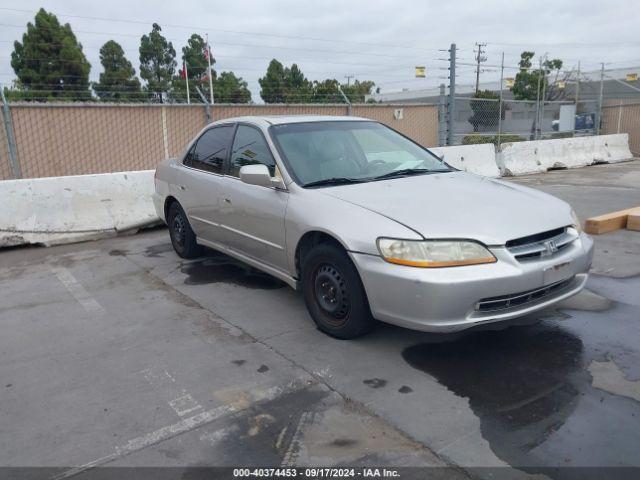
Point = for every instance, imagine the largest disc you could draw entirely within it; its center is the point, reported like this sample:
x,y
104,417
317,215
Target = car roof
x,y
282,119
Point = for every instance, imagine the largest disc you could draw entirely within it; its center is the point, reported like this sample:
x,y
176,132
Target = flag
x,y
183,72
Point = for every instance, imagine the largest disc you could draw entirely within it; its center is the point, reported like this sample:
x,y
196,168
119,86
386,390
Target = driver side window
x,y
250,147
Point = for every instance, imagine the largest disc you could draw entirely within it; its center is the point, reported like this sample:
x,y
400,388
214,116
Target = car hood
x,y
459,205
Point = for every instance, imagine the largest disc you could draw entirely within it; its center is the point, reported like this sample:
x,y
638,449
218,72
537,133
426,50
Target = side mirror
x,y
256,174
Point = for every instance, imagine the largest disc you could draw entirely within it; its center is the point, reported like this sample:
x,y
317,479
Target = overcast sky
x,y
377,40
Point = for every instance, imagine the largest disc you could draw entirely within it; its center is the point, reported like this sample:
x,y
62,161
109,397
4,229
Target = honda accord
x,y
370,225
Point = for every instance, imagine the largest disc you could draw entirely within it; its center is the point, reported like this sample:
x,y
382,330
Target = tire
x,y
334,294
182,237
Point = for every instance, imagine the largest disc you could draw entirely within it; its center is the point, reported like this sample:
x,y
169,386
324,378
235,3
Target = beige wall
x,y
55,140
621,116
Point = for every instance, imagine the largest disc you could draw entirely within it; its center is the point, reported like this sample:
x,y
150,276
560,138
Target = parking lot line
x,y
152,438
184,425
76,289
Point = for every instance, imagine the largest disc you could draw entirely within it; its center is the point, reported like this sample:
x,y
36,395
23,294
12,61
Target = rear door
x,y
202,179
252,216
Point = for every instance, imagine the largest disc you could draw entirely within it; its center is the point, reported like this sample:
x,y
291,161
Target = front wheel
x,y
334,294
182,237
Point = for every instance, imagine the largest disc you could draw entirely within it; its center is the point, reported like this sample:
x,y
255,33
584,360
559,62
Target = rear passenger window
x,y
210,150
250,147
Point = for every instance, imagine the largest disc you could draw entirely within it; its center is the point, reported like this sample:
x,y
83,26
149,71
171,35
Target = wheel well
x,y
307,242
167,204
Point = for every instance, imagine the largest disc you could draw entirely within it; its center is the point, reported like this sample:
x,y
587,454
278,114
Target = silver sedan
x,y
370,225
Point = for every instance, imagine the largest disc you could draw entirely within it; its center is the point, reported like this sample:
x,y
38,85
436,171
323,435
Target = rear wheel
x,y
182,237
334,294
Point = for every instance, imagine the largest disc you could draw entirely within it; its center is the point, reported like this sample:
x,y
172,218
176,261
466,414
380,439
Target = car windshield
x,y
340,152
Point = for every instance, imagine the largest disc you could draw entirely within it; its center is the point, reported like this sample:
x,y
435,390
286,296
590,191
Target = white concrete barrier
x,y
612,148
479,159
522,158
70,209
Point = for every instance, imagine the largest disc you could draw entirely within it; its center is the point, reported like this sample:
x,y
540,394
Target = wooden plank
x,y
633,221
609,221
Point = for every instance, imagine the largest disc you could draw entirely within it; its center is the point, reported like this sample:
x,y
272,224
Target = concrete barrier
x,y
612,148
479,159
522,158
70,209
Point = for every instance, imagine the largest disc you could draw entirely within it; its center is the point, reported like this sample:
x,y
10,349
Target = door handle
x,y
227,200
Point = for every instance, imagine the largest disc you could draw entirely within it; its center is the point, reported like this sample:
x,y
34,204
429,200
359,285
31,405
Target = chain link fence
x,y
75,139
479,120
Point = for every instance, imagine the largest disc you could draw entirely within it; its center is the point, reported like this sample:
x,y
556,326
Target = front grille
x,y
504,302
545,244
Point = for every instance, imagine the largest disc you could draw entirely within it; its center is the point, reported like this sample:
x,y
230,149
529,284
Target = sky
x,y
379,40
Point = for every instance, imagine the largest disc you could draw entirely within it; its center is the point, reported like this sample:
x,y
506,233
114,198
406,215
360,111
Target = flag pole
x,y
210,72
186,79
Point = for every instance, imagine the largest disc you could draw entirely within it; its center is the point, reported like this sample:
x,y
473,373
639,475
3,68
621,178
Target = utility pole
x,y
452,93
479,59
500,103
442,117
600,99
544,92
349,77
537,119
577,86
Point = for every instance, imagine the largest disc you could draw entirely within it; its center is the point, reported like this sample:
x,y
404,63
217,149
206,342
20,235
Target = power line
x,y
191,27
250,45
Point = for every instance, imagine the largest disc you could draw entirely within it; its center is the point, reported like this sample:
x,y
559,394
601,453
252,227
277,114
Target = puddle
x,y
219,268
532,391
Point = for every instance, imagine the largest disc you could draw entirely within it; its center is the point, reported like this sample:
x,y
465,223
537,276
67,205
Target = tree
x,y
273,84
289,85
118,82
486,110
530,83
228,88
533,84
157,62
50,63
327,91
357,90
297,88
194,55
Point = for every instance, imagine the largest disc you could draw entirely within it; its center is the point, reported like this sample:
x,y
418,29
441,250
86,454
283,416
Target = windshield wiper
x,y
405,172
334,181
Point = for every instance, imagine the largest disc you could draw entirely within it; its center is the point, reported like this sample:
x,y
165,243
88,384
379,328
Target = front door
x,y
252,216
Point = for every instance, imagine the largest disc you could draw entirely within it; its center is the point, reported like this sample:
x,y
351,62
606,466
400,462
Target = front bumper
x,y
447,299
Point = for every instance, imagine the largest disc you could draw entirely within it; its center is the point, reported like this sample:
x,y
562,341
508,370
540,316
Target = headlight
x,y
433,253
576,221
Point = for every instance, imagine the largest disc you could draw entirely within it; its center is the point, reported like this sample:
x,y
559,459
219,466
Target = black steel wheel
x,y
334,294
